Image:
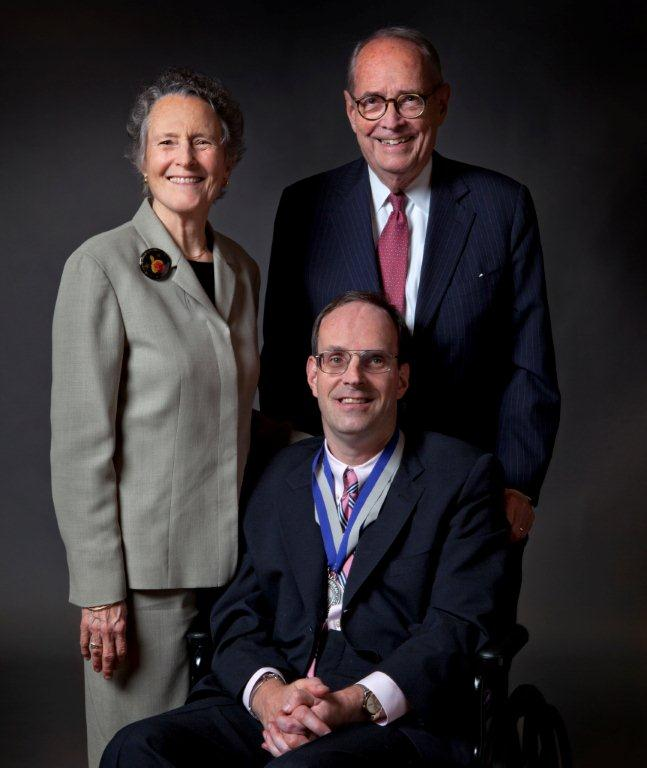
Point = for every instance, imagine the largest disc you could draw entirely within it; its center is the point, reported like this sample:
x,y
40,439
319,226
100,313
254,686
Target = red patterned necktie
x,y
393,252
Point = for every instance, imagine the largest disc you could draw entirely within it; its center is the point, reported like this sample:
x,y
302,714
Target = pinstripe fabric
x,y
484,367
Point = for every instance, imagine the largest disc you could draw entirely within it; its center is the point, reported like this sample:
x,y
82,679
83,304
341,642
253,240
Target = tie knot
x,y
350,478
398,201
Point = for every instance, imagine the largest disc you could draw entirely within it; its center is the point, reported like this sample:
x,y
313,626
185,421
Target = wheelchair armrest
x,y
501,653
200,653
491,688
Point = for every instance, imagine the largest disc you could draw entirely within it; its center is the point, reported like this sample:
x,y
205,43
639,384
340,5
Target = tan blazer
x,y
151,402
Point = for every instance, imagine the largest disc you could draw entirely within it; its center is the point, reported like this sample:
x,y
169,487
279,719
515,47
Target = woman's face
x,y
184,161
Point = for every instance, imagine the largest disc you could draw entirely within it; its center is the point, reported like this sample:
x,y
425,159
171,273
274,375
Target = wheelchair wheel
x,y
502,746
538,737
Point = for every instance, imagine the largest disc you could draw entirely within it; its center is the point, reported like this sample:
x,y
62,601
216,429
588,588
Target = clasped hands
x,y
295,714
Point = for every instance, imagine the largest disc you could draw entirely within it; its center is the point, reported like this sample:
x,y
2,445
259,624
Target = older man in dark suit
x,y
454,247
374,568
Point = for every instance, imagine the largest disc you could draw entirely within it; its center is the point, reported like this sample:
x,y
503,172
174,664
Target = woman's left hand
x,y
103,636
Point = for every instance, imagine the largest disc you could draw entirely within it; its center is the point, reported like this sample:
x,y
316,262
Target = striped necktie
x,y
348,497
345,510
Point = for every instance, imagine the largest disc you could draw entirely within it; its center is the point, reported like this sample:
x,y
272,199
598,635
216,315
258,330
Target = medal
x,y
335,591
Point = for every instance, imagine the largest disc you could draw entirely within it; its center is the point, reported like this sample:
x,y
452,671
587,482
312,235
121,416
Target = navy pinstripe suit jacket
x,y
483,361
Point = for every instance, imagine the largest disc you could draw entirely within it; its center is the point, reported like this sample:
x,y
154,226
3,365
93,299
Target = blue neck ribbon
x,y
337,558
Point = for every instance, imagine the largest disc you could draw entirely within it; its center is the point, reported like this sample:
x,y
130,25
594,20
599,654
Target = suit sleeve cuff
x,y
252,681
389,694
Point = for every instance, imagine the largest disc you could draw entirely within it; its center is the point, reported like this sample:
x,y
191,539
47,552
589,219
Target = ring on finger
x,y
95,646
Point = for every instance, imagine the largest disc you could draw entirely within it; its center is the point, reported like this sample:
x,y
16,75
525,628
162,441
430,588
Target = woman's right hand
x,y
103,637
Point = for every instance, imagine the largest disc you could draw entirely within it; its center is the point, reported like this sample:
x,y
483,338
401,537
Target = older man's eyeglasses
x,y
370,360
373,106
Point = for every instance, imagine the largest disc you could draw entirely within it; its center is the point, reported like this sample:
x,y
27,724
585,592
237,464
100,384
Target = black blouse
x,y
204,272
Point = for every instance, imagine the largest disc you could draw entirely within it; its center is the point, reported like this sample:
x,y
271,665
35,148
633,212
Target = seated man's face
x,y
358,404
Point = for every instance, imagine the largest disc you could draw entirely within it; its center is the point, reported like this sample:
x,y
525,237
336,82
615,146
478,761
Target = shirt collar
x,y
338,467
419,191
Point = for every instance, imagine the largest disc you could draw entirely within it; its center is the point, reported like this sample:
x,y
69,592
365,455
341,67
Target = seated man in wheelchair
x,y
374,568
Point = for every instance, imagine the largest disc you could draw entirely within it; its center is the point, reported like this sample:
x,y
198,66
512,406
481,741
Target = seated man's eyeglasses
x,y
370,360
373,106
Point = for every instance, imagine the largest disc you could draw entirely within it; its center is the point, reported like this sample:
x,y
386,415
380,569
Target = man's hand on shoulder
x,y
520,513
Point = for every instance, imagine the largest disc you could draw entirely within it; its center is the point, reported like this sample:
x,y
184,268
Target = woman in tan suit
x,y
155,364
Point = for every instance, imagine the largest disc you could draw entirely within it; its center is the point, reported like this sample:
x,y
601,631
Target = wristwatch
x,y
371,704
262,679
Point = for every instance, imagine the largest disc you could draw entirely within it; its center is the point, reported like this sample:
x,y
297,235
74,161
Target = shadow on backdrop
x,y
549,93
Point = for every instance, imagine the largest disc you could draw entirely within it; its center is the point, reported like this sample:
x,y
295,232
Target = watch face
x,y
373,705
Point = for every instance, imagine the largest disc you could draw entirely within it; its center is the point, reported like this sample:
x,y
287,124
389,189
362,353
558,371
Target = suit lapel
x,y
450,221
378,537
185,278
351,222
156,235
224,284
224,278
302,538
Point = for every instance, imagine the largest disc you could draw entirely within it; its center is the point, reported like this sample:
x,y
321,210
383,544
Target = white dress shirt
x,y
418,196
387,691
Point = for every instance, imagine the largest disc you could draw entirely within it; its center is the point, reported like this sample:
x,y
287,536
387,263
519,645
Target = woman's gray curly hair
x,y
185,82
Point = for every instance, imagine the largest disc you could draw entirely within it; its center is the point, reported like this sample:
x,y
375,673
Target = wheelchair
x,y
517,730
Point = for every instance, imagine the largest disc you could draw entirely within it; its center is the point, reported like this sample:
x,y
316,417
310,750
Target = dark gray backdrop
x,y
550,93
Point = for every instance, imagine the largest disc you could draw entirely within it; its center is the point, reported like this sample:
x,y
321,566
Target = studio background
x,y
551,93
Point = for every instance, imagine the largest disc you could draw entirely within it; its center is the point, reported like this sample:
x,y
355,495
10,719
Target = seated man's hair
x,y
377,300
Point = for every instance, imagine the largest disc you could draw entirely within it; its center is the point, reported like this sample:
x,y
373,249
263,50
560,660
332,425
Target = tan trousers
x,y
155,675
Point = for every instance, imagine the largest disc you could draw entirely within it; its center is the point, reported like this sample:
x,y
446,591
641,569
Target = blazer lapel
x,y
302,538
225,280
156,235
185,278
450,221
224,283
352,225
378,537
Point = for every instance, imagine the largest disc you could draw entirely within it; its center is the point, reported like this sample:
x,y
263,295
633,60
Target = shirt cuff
x,y
389,694
252,680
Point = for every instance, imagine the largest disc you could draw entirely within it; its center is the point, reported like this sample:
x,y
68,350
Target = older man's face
x,y
396,148
358,407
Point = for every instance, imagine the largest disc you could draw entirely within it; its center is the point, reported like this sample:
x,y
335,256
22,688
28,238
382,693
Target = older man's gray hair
x,y
424,45
185,82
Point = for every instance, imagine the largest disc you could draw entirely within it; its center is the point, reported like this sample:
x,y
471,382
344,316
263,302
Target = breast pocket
x,y
478,282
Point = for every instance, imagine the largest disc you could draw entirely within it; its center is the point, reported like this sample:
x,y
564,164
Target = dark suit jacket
x,y
484,367
424,592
